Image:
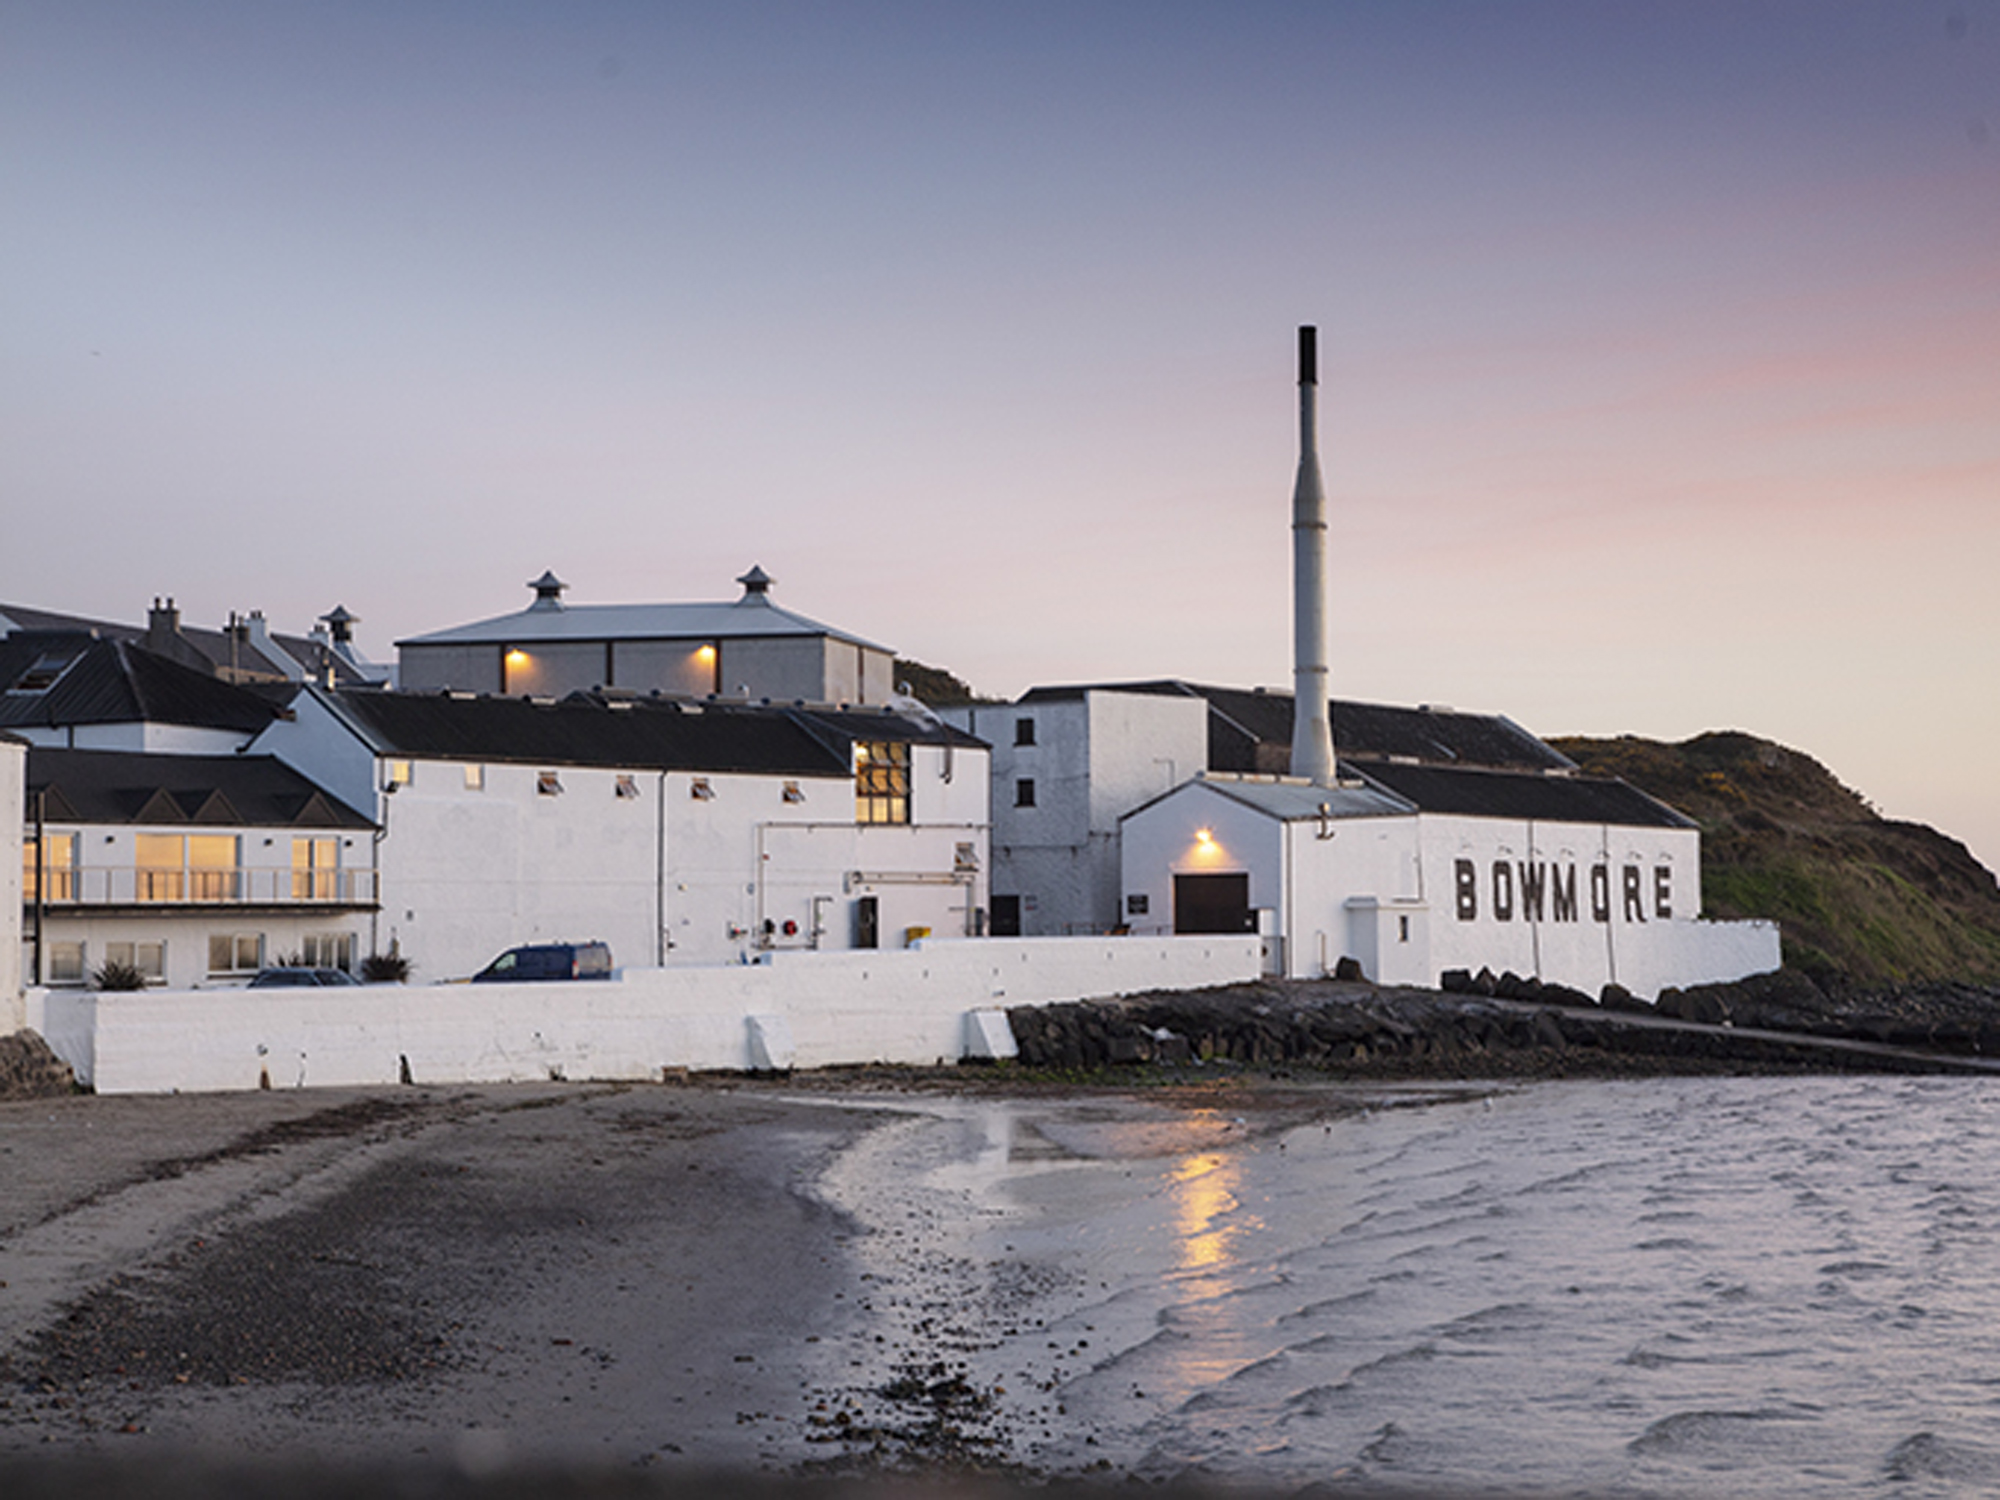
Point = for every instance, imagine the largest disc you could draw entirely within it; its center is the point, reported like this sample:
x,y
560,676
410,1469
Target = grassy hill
x,y
1860,897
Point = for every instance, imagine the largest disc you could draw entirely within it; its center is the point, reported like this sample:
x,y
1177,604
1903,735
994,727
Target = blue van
x,y
548,961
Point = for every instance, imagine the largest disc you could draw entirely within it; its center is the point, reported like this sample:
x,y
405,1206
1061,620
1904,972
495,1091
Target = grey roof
x,y
131,787
49,680
1300,801
752,616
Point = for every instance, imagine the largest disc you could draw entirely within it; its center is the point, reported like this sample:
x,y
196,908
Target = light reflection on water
x,y
1693,1286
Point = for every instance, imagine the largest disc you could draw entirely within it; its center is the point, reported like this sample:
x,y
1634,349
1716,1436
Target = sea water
x,y
1670,1287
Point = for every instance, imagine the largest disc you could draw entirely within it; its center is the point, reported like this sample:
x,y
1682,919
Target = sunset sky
x,y
1660,343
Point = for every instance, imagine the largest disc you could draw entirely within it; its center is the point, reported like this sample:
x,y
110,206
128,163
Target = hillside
x,y
1862,898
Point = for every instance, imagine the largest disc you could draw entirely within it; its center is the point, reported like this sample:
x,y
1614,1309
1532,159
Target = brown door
x,y
1213,903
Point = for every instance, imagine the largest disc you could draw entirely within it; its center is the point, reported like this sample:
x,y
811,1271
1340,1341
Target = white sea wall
x,y
911,1005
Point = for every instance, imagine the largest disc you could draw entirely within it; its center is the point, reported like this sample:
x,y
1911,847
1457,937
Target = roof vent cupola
x,y
340,624
548,591
756,586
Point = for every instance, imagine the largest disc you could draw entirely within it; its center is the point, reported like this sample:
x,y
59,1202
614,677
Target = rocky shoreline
x,y
1507,1027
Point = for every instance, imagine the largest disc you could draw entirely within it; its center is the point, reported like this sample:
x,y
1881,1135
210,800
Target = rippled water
x,y
1702,1286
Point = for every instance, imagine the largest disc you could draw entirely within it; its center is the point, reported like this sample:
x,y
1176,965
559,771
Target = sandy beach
x,y
484,1280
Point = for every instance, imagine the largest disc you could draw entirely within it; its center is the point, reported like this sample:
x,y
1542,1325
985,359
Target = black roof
x,y
215,652
595,729
1526,795
587,731
1250,729
50,679
121,786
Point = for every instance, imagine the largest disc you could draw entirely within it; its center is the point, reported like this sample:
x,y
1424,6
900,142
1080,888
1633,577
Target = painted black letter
x,y
1468,890
1600,893
1564,896
1635,900
1663,892
1532,886
1503,891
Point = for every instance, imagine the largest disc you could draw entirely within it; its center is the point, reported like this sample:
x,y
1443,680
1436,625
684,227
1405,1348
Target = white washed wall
x,y
911,1006
13,815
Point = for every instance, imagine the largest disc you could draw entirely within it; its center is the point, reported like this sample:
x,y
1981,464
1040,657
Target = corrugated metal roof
x,y
130,787
115,682
753,616
1506,794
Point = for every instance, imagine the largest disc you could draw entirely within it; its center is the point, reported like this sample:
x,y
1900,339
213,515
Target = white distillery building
x,y
746,648
679,833
1438,841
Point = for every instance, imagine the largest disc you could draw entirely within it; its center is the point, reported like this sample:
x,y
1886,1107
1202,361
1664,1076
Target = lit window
x,y
700,790
626,788
475,778
191,867
1024,731
58,863
398,774
548,784
235,952
315,866
1024,792
793,792
882,782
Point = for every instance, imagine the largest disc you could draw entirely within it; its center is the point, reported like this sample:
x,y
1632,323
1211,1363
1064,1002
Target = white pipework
x,y
1312,731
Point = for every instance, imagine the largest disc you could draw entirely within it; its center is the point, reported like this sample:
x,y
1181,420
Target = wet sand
x,y
674,1280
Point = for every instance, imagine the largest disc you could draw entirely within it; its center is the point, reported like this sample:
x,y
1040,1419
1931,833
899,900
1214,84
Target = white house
x,y
748,648
679,833
191,869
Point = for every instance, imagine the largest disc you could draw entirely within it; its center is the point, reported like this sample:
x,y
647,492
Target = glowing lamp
x,y
1203,837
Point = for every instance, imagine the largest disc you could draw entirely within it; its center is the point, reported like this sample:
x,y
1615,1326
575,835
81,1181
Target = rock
x,y
29,1070
1616,997
1456,981
1348,970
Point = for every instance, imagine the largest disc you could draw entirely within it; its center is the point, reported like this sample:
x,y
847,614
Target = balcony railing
x,y
139,885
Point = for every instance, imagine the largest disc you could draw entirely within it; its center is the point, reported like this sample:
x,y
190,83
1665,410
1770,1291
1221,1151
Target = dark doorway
x,y
1213,903
867,923
1006,916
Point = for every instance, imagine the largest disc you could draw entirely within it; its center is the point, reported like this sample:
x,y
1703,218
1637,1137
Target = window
x,y
186,867
235,952
626,788
475,778
315,869
327,950
59,864
548,784
882,782
1024,792
1024,731
964,859
398,774
150,959
65,964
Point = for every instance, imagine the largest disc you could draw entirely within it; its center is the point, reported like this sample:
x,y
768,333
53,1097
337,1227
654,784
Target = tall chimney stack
x,y
1312,732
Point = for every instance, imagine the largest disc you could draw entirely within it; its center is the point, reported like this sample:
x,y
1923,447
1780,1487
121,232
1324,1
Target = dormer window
x,y
42,675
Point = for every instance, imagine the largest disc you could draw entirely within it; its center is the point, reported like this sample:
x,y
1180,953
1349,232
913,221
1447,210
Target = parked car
x,y
291,976
548,961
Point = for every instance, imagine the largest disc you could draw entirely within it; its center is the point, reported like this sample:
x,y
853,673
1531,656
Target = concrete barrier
x,y
907,1005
